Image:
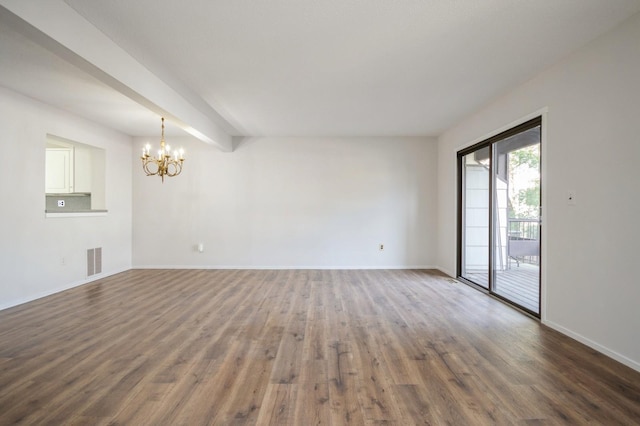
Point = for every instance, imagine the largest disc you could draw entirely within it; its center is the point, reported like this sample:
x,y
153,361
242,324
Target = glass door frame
x,y
489,143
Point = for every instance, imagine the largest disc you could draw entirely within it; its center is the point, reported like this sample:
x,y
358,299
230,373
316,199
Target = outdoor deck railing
x,y
524,240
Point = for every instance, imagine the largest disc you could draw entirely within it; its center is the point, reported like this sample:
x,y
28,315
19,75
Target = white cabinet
x,y
59,170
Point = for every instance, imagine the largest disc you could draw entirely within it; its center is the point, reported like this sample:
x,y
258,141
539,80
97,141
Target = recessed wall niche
x,y
74,177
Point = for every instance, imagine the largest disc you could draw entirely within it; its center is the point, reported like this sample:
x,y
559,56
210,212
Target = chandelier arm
x,y
145,167
177,168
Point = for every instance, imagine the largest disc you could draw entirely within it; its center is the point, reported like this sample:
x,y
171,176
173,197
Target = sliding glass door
x,y
499,215
475,210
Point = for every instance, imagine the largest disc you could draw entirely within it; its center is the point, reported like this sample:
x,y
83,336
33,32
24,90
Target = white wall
x,y
592,145
32,246
291,203
82,169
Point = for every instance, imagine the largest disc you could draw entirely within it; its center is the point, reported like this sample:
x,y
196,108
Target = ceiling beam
x,y
59,28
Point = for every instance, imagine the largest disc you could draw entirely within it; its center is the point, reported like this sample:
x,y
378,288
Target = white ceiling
x,y
316,68
33,70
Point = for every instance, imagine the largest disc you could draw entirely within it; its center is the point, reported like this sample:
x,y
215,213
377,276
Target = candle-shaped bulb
x,y
181,154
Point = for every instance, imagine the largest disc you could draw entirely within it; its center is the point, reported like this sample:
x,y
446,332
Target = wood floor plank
x,y
312,405
343,385
312,347
277,405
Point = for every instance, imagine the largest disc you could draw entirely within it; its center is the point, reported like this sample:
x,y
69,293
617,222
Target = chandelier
x,y
166,163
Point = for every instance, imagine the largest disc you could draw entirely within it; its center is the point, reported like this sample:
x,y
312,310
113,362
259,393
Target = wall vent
x,y
98,260
94,261
91,268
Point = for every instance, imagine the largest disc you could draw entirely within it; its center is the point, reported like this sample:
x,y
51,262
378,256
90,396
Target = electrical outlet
x,y
571,197
381,247
60,203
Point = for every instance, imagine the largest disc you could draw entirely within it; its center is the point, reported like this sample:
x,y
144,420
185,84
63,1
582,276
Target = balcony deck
x,y
518,284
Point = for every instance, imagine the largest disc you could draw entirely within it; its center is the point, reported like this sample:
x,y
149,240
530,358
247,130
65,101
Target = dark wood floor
x,y
297,347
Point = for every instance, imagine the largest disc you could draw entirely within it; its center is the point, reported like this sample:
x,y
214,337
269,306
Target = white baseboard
x,y
68,286
263,267
598,347
445,271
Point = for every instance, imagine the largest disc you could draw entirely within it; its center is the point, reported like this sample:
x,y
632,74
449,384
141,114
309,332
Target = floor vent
x,y
94,261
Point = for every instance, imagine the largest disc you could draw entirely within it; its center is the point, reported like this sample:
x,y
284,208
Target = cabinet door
x,y
59,172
